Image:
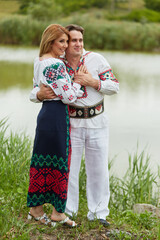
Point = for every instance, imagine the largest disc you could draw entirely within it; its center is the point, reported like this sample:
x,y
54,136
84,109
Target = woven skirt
x,y
50,163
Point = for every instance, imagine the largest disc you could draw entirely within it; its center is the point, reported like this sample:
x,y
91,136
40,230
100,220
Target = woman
x,y
49,170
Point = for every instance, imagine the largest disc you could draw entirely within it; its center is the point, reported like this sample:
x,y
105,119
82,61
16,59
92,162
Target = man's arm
x,y
107,82
38,94
86,79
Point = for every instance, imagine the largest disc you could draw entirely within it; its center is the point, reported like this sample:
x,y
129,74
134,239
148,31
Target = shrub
x,y
144,15
122,35
153,4
44,10
24,4
99,34
21,30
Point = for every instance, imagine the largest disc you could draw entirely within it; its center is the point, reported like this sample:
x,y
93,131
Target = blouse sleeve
x,y
56,77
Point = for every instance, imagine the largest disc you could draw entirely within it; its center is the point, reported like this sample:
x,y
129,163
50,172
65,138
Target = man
x,y
89,125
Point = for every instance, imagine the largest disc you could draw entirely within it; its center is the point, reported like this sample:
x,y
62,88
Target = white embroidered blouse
x,y
52,72
100,69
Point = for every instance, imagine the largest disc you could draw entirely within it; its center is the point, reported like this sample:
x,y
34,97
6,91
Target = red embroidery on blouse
x,y
60,96
70,97
65,87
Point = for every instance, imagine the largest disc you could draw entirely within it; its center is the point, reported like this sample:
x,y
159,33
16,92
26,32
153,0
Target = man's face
x,y
75,46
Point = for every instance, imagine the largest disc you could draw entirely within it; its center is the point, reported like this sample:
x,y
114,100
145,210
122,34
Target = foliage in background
x,y
104,29
138,15
44,10
70,6
99,34
122,35
153,4
24,4
7,8
20,30
67,7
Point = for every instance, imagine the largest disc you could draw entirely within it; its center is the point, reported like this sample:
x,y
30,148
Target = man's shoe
x,y
104,222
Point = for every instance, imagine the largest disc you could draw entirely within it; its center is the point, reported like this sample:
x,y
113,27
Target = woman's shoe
x,y
53,223
44,217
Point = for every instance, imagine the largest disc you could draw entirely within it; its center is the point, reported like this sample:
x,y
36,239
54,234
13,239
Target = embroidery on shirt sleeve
x,y
108,75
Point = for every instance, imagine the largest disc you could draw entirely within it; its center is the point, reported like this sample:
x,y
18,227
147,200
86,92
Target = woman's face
x,y
59,46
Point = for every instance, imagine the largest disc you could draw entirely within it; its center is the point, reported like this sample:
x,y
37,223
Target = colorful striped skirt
x,y
50,163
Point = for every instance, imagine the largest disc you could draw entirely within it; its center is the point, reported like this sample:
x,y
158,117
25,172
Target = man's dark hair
x,y
72,27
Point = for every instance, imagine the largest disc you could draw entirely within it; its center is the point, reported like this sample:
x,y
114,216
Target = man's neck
x,y
73,61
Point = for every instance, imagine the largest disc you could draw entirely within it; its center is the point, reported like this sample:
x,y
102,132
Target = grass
x,y
15,152
134,4
8,8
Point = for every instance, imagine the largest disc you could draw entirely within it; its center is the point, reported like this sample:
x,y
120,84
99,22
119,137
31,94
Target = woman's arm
x,y
58,79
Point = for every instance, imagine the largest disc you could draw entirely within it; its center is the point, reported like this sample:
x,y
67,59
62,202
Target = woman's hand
x,y
81,74
82,69
84,78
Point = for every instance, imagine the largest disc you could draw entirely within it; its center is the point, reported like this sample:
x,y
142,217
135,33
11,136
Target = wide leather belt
x,y
86,112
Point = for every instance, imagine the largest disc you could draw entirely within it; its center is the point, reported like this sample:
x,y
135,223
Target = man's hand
x,y
45,93
84,78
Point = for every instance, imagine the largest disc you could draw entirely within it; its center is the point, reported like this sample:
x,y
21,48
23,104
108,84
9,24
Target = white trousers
x,y
95,143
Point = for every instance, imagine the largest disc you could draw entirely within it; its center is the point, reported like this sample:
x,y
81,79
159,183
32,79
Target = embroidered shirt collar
x,y
81,61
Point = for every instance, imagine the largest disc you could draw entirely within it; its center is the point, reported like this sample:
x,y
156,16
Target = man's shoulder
x,y
90,54
96,60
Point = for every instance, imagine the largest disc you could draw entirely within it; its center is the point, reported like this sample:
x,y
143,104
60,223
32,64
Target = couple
x,y
82,86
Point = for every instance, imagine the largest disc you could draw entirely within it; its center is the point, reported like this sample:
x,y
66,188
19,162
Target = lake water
x,y
134,113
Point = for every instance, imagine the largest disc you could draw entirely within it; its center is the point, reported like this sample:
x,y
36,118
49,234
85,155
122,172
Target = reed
x,y
99,34
14,168
21,30
137,184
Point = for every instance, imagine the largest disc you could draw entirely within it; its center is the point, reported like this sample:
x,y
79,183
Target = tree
x,y
24,4
153,4
70,6
44,10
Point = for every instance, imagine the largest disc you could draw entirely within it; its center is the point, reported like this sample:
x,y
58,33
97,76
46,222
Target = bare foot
x,y
58,217
37,213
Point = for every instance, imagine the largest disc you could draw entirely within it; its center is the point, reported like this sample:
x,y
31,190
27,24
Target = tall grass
x,y
15,153
21,30
99,34
136,186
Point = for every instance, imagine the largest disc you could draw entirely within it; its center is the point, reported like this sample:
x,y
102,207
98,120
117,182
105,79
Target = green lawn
x,y
136,186
8,7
